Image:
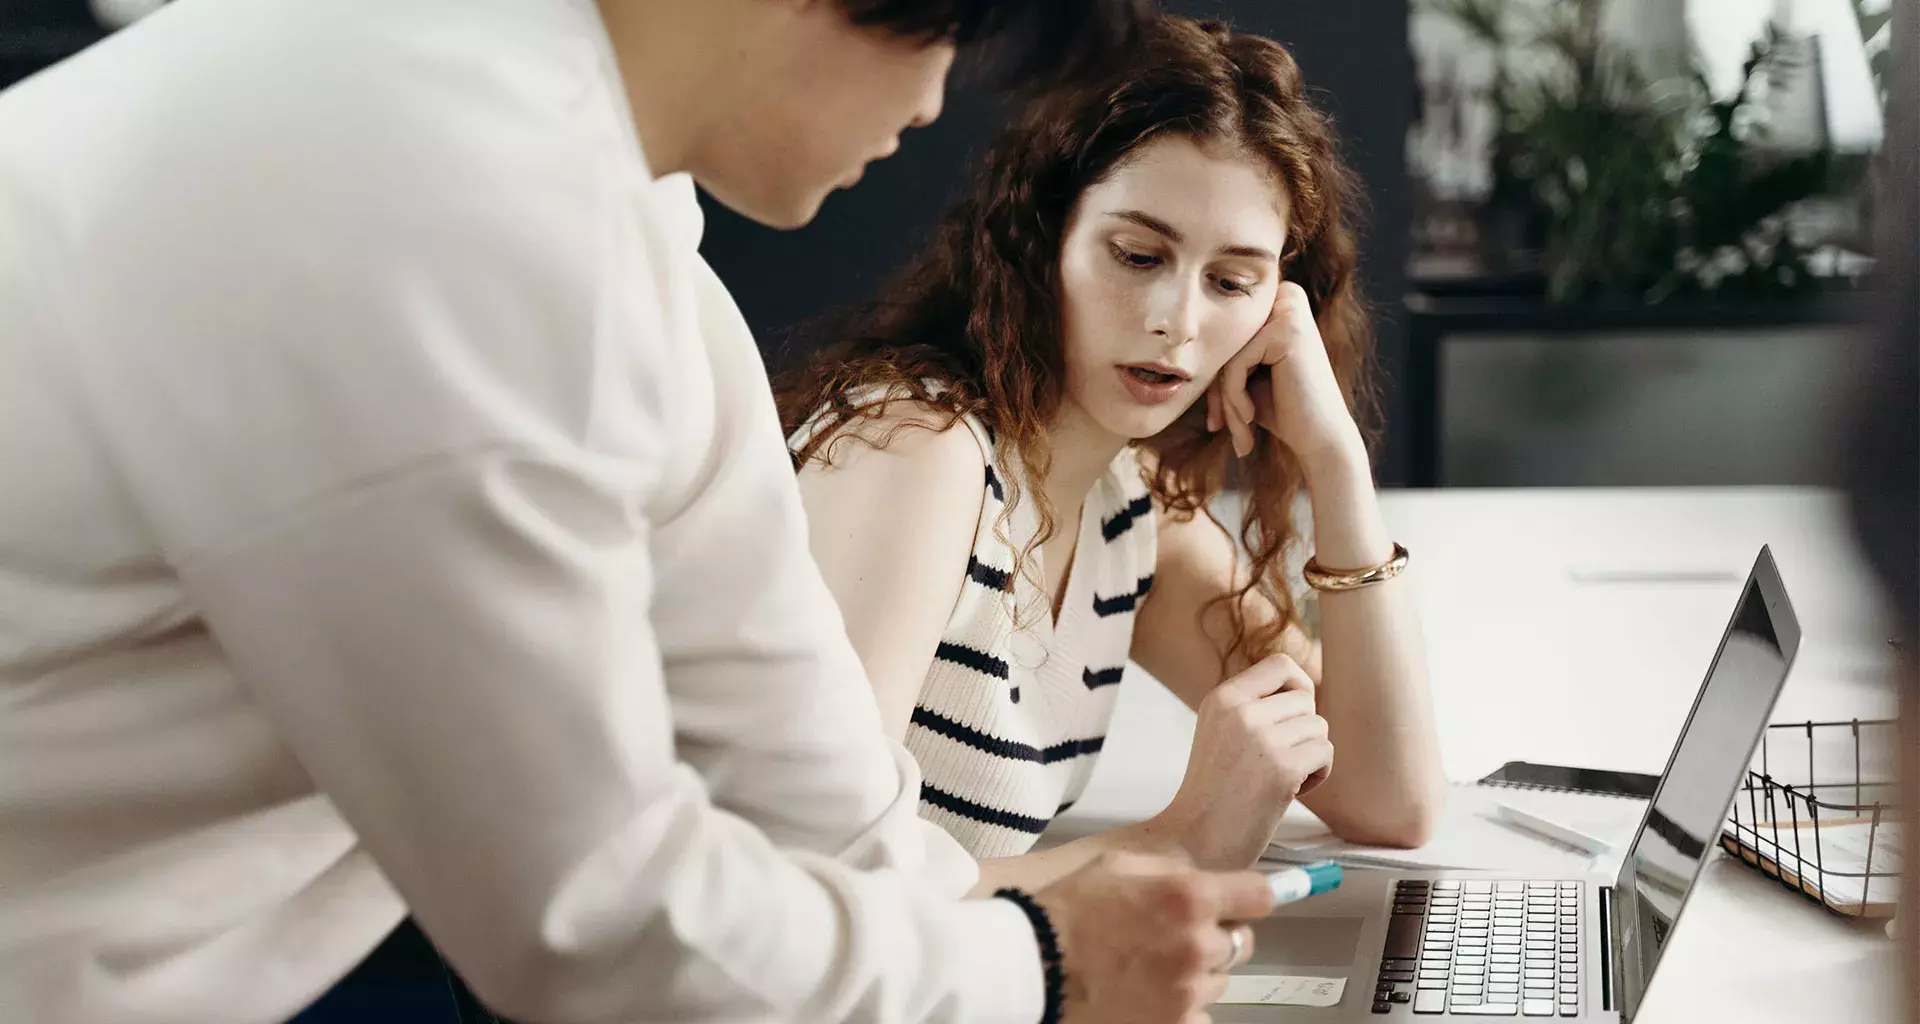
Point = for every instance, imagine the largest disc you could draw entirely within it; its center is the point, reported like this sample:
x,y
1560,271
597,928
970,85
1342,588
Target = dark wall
x,y
1355,53
36,33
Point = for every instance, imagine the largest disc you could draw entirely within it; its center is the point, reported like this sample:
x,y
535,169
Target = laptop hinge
x,y
1606,947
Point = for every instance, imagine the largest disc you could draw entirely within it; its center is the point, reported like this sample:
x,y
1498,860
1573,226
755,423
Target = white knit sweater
x,y
1014,708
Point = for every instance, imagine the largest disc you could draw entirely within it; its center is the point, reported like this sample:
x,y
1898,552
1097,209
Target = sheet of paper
x,y
1612,818
1469,837
1283,990
1836,867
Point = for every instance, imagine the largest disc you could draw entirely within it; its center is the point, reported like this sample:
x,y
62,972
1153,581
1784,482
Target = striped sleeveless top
x,y
1011,716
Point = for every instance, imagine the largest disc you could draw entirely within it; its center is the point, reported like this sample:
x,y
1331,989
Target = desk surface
x,y
1574,627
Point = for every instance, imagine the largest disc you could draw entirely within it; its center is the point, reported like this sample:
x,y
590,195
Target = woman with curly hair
x,y
1008,463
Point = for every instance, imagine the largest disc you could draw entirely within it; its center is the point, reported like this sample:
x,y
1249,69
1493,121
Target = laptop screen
x,y
1684,820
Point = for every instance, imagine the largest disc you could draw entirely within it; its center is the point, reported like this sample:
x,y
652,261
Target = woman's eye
x,y
1232,287
1136,260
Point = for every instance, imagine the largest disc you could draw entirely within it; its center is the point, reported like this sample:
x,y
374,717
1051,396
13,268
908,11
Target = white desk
x,y
1531,659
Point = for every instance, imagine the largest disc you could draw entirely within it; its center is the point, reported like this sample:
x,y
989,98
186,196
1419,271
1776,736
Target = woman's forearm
x,y
1387,785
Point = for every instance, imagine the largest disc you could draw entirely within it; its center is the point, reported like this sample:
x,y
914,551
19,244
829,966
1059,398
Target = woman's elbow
x,y
1415,827
1405,824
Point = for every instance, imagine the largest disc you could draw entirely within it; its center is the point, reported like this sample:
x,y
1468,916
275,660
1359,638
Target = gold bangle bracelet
x,y
1323,579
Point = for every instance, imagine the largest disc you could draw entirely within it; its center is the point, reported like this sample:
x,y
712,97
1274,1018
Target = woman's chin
x,y
1122,418
1142,423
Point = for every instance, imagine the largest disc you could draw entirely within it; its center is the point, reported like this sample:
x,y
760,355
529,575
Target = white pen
x,y
1291,885
1530,822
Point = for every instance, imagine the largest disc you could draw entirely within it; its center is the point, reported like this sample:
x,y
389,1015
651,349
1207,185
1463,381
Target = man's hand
x,y
1148,940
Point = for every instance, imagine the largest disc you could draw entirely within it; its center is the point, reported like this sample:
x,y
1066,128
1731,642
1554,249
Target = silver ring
x,y
1238,936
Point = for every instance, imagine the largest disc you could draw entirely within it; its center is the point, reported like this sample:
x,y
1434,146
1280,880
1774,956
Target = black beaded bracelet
x,y
1050,961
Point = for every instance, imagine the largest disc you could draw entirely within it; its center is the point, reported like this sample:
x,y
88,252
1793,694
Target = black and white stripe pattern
x,y
968,657
1003,755
1112,527
1120,604
970,813
1011,719
987,576
1010,749
1095,678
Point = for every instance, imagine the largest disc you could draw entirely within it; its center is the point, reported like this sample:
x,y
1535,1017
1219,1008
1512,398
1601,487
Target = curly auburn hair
x,y
978,312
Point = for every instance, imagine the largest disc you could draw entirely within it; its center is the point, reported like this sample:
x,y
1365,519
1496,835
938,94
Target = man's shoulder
x,y
287,112
365,233
263,169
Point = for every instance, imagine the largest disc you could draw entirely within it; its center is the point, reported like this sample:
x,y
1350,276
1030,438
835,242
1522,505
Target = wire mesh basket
x,y
1818,812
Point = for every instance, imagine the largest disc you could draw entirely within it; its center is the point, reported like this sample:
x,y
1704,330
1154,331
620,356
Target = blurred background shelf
x,y
1517,391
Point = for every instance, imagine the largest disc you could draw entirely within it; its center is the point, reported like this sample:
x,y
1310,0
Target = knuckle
x,y
1181,900
1298,675
1189,958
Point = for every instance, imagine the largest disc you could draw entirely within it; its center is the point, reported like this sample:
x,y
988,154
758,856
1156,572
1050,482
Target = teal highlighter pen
x,y
1292,885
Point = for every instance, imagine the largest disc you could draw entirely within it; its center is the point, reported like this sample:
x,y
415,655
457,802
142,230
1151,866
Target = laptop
x,y
1457,945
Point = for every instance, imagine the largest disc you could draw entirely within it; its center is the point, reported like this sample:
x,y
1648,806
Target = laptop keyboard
x,y
1483,949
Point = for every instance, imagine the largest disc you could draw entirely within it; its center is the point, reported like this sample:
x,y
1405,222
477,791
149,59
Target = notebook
x,y
1605,805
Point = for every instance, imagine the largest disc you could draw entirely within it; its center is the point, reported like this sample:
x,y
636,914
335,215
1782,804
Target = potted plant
x,y
1637,191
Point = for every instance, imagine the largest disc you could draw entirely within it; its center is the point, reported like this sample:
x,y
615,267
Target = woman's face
x,y
1169,266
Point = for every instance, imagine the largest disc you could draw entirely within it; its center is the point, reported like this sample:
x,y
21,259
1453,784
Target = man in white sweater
x,y
393,518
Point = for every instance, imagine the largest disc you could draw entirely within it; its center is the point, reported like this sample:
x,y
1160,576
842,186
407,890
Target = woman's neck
x,y
1080,450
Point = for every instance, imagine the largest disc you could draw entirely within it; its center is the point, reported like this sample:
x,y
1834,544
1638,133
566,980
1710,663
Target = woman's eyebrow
x,y
1161,227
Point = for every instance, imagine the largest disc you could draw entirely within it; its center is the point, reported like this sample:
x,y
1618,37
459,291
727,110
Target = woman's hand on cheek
x,y
1302,405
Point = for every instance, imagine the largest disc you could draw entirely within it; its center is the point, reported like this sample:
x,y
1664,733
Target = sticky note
x,y
1283,990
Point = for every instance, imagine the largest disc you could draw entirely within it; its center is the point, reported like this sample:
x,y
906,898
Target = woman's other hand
x,y
1258,745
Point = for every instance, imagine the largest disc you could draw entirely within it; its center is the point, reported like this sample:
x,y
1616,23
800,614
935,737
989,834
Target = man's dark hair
x,y
1025,43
